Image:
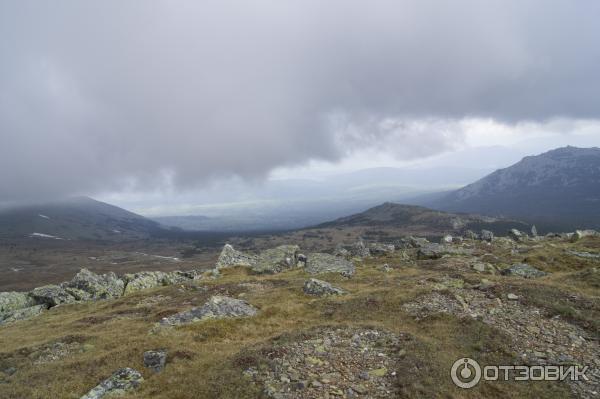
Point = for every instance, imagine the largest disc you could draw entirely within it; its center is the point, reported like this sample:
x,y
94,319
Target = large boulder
x,y
87,285
217,307
516,235
232,257
11,301
318,263
418,242
487,235
143,280
120,382
277,259
523,270
321,288
378,249
51,295
23,314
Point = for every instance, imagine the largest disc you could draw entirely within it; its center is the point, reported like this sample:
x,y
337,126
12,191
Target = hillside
x,y
80,218
417,218
559,189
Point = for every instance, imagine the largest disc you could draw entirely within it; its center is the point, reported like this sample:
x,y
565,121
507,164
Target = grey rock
x,y
359,249
318,263
321,288
447,239
142,281
418,242
23,314
87,285
523,270
11,301
120,382
217,307
436,251
51,295
275,260
483,267
379,249
579,234
516,235
512,297
340,250
487,235
231,257
534,231
155,360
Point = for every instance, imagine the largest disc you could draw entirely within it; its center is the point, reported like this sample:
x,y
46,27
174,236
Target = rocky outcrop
x,y
318,263
275,260
379,249
516,235
23,314
321,288
120,382
232,257
12,301
418,242
87,285
357,249
579,234
155,360
217,307
51,295
142,281
486,235
523,270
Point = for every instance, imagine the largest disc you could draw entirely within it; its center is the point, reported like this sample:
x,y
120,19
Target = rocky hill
x,y
80,218
285,323
417,218
559,189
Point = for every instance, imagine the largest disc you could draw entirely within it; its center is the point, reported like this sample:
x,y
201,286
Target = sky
x,y
161,100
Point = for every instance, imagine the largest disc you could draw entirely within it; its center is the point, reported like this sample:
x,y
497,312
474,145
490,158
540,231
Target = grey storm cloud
x,y
99,95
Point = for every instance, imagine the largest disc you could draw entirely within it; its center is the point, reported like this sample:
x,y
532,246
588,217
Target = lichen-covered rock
x,y
180,277
341,251
483,267
121,381
11,301
23,314
142,281
359,249
275,260
436,251
87,285
516,235
318,263
579,234
232,257
155,360
321,288
487,235
217,307
379,249
51,295
418,242
523,270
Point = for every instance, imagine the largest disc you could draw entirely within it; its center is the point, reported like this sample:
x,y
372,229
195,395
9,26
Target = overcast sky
x,y
108,97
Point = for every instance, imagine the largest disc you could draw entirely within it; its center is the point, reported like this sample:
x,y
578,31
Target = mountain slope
x,y
75,218
559,189
417,218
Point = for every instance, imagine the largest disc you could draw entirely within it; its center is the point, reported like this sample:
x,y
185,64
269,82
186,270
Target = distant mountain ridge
x,y
558,189
74,219
411,217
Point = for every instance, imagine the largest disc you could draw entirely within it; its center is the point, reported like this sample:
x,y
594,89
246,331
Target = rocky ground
x,y
366,320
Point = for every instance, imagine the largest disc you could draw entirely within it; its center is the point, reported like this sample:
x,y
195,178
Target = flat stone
x,y
217,307
318,263
119,383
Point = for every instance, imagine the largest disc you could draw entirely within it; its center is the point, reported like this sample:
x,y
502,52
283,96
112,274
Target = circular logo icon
x,y
465,373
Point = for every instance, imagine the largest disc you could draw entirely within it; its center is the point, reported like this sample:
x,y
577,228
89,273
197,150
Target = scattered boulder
x,y
579,234
516,235
87,285
180,277
11,301
378,249
155,360
232,257
483,267
486,235
523,270
359,249
447,239
143,280
318,263
534,232
51,295
341,251
275,260
217,307
23,314
321,288
418,242
457,240
512,297
121,381
431,251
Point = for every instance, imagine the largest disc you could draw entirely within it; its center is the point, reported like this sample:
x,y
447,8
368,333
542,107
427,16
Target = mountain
x,y
73,219
417,218
559,189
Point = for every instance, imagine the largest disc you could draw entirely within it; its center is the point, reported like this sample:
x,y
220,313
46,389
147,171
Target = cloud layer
x,y
98,96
